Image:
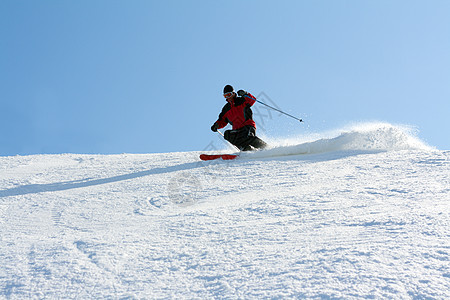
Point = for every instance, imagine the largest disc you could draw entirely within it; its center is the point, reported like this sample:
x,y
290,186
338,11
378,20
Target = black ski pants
x,y
245,138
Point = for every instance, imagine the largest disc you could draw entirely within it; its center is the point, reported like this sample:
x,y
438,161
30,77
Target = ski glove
x,y
215,127
241,93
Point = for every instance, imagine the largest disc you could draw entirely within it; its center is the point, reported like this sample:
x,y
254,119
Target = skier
x,y
238,113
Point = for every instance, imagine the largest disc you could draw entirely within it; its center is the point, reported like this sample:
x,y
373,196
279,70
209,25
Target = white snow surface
x,y
361,214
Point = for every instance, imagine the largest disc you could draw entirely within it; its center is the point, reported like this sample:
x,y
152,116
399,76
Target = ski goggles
x,y
228,95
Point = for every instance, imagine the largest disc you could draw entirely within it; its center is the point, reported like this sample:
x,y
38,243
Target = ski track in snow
x,y
363,214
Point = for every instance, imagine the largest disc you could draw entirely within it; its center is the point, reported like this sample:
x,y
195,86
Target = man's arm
x,y
222,121
249,98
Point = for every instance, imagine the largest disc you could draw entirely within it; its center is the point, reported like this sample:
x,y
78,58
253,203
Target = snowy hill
x,y
363,213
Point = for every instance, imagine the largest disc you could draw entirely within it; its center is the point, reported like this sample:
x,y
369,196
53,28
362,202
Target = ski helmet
x,y
228,89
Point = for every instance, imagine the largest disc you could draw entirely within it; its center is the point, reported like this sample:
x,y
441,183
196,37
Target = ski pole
x,y
280,111
228,141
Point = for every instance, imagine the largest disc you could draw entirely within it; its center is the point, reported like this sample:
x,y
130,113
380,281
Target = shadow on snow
x,y
68,185
87,182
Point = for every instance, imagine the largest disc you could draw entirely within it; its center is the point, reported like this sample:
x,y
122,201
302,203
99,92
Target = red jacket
x,y
238,113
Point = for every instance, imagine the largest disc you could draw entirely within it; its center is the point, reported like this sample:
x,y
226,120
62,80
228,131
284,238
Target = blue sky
x,y
147,76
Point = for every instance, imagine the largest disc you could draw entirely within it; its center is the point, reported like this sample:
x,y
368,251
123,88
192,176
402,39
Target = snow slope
x,y
362,214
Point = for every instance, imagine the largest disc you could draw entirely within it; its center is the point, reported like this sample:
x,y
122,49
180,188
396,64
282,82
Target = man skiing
x,y
238,113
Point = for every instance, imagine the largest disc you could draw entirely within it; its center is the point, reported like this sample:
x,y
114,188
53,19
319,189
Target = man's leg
x,y
255,141
231,136
258,143
241,138
245,138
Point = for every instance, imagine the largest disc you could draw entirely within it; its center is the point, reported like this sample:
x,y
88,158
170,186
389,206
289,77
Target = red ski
x,y
217,156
